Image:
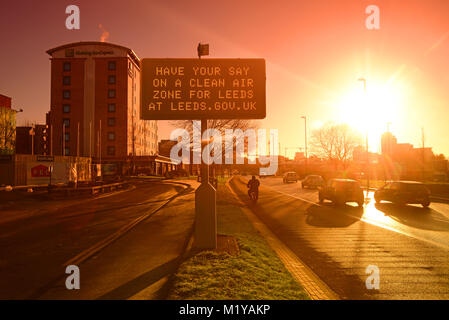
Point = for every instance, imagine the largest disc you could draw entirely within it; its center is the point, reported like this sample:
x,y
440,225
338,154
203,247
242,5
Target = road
x,y
37,237
410,245
412,220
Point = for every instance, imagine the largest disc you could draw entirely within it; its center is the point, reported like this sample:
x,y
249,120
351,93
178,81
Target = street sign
x,y
195,89
5,157
45,158
40,171
203,50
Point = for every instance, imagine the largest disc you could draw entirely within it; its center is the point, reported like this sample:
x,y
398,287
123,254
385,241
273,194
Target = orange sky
x,y
315,52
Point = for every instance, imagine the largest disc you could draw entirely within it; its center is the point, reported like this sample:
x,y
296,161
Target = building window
x,y
66,80
111,93
111,107
66,108
111,65
111,136
67,136
66,94
66,151
67,66
111,122
111,151
111,79
66,122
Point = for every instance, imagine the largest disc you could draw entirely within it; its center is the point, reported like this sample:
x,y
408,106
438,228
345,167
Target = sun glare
x,y
371,112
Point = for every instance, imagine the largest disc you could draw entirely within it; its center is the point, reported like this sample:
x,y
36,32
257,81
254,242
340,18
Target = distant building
x,y
405,161
388,142
359,155
95,103
299,156
165,147
5,102
25,143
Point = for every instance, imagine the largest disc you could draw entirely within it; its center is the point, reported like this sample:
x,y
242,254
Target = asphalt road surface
x,y
38,237
409,245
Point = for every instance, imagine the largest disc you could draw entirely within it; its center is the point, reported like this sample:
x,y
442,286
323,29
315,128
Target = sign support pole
x,y
205,206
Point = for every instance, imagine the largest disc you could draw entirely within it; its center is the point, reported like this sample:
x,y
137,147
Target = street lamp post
x,y
305,143
32,133
367,151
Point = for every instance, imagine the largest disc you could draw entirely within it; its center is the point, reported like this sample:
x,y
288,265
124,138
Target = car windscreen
x,y
412,187
347,185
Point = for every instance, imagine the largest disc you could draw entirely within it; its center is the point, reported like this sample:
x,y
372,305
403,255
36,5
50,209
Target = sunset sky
x,y
315,52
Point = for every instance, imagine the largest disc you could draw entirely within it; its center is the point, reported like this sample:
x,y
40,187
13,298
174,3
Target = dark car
x,y
404,192
289,177
340,191
312,181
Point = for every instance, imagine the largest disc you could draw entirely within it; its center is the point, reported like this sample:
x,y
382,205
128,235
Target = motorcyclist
x,y
253,186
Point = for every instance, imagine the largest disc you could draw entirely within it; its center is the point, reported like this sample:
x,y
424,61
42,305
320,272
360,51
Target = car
x,y
312,181
403,192
340,191
289,177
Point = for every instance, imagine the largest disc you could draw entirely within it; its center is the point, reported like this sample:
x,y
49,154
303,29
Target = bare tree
x,y
335,142
221,125
7,131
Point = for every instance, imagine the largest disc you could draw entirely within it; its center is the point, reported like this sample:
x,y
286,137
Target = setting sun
x,y
372,112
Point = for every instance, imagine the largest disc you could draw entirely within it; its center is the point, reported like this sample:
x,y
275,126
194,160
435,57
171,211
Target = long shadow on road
x,y
328,216
416,217
301,226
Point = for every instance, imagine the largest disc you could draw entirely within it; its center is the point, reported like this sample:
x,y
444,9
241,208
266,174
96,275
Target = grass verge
x,y
257,273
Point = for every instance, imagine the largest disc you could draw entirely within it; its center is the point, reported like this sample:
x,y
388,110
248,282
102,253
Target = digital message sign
x,y
191,89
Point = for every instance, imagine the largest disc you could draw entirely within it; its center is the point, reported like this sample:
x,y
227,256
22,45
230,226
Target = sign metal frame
x,y
227,89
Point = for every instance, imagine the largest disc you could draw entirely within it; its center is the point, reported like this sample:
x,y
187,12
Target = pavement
x,y
338,244
312,284
140,233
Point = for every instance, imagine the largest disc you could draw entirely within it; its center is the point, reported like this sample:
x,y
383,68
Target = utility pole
x,y
90,140
423,155
51,140
78,141
101,169
205,194
367,149
32,133
305,143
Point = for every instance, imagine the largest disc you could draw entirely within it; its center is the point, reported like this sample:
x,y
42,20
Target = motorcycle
x,y
253,195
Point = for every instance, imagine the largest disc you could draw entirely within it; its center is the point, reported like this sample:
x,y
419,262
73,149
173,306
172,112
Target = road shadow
x,y
330,216
143,281
289,229
413,216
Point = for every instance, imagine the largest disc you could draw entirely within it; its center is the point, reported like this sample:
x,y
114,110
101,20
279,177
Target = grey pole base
x,y
205,236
